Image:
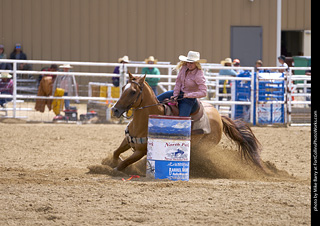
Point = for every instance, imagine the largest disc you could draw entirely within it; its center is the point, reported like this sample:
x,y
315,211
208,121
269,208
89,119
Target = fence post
x,y
169,79
257,97
122,80
286,96
252,108
217,93
289,96
14,89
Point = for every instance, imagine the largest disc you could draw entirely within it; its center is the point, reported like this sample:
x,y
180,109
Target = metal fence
x,y
21,104
299,97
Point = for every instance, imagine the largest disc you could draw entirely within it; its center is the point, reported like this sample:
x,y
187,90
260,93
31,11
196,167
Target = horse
x,y
178,153
139,96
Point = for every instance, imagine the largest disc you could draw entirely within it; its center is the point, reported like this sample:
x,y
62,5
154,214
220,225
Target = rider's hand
x,y
174,98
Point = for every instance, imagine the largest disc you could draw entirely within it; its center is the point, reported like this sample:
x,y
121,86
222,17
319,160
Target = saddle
x,y
200,122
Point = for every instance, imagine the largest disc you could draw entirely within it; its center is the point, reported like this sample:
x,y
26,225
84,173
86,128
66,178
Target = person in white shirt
x,y
282,63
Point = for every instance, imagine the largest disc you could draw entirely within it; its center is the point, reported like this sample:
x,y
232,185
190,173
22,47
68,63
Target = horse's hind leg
x,y
116,154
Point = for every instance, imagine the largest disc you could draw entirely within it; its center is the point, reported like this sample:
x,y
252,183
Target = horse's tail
x,y
239,132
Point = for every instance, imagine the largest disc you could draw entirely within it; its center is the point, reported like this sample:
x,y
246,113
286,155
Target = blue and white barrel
x,y
168,147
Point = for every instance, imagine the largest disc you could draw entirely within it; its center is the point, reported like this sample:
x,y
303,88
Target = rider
x,y
190,84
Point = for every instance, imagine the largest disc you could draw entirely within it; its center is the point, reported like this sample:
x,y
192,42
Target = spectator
x,y
18,54
259,63
66,82
6,87
52,68
227,62
282,63
122,60
153,82
45,89
2,54
45,84
4,66
308,72
236,63
190,84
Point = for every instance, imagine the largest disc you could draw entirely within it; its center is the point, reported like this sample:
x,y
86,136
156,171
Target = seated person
x,y
4,66
6,87
18,54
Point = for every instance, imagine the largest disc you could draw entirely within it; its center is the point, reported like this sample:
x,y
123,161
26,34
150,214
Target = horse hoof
x,y
118,173
110,161
115,162
99,169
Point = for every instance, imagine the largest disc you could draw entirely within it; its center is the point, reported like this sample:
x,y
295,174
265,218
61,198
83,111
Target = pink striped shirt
x,y
193,84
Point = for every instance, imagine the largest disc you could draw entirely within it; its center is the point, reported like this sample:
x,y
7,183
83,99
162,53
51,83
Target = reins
x,y
160,103
147,106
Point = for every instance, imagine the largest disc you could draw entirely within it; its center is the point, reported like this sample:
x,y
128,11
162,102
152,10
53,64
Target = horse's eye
x,y
133,92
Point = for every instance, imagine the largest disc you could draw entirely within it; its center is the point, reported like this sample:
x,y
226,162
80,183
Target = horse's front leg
x,y
115,159
140,151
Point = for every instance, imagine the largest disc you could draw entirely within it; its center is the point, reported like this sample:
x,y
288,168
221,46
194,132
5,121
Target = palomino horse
x,y
138,95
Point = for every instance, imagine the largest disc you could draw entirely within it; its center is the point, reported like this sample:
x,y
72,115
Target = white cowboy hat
x,y
124,59
65,66
5,75
227,60
151,58
192,57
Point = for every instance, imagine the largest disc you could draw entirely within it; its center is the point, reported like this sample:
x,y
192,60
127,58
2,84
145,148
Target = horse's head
x,y
131,95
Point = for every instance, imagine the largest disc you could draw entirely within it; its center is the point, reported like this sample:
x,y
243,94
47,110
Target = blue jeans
x,y
3,100
66,102
154,88
186,106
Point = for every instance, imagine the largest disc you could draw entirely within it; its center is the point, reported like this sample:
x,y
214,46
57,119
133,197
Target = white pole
x,y
257,98
289,96
252,97
169,79
122,80
14,88
278,31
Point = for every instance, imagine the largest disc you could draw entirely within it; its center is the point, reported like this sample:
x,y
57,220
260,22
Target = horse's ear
x,y
130,75
141,79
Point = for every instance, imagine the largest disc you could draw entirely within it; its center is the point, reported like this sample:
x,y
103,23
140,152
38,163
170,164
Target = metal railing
x,y
167,83
293,92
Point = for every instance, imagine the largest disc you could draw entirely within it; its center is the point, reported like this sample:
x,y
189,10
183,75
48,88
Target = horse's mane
x,y
151,91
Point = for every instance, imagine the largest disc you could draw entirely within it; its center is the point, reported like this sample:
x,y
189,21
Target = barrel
x,y
169,145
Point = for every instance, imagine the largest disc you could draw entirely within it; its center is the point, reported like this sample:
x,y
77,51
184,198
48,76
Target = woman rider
x,y
190,84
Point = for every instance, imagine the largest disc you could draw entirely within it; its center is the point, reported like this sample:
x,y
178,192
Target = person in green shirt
x,y
153,82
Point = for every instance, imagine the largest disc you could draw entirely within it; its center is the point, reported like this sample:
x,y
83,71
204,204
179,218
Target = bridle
x,y
140,94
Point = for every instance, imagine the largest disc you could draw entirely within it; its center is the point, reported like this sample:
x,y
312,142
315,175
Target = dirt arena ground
x,y
44,180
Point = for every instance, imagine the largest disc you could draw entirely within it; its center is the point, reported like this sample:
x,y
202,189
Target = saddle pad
x,y
200,120
202,126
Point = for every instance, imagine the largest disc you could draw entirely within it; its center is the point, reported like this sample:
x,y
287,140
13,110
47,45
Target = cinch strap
x,y
135,140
